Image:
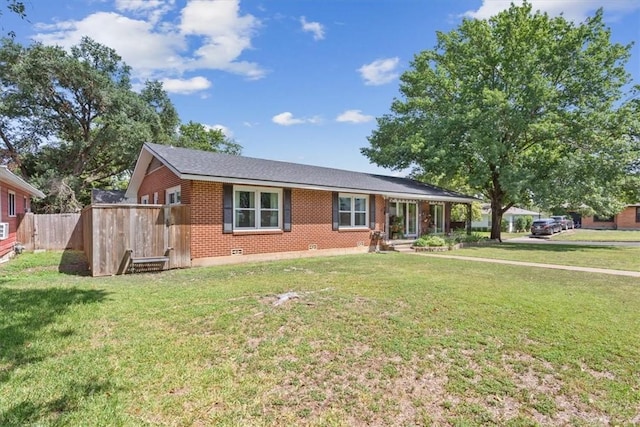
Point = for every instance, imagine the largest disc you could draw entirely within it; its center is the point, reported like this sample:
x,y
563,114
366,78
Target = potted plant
x,y
397,227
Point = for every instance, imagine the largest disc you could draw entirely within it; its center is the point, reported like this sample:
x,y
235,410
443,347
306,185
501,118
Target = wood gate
x,y
115,233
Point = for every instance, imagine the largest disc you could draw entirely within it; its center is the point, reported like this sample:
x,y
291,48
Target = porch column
x,y
469,215
447,217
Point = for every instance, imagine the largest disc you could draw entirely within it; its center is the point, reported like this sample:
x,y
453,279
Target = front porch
x,y
407,219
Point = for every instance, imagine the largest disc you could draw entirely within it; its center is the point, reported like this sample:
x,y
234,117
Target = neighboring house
x,y
15,200
510,216
627,219
247,206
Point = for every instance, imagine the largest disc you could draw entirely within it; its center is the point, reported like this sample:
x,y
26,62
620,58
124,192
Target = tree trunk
x,y
496,219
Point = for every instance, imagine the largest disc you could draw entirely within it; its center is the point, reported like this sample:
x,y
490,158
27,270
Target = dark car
x,y
545,226
565,221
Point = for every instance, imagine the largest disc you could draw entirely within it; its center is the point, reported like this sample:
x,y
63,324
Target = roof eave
x,y
258,182
20,183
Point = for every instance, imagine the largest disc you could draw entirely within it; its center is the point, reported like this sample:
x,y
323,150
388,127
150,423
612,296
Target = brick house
x,y
627,219
15,200
252,207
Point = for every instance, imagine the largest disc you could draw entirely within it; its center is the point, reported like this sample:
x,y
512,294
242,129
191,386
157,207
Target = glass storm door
x,y
403,219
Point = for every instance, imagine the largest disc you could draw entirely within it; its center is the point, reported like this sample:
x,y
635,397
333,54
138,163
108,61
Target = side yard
x,y
377,339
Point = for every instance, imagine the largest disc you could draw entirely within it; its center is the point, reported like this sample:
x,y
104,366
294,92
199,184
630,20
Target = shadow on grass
x,y
34,413
74,263
24,313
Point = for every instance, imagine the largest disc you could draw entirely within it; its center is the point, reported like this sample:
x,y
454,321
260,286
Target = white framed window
x,y
155,198
25,204
256,208
11,205
144,199
353,210
173,196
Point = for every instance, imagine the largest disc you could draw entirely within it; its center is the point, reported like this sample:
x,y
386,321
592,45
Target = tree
x,y
197,136
523,108
71,120
16,7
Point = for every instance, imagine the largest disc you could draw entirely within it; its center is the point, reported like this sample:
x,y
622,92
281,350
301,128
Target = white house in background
x,y
510,215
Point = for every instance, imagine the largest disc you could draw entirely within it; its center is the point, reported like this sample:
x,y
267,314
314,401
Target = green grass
x,y
388,339
504,235
599,236
611,257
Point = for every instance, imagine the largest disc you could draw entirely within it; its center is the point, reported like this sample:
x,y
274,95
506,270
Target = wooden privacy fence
x,y
50,231
113,234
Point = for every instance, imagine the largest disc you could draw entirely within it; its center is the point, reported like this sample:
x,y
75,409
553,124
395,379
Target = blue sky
x,y
293,80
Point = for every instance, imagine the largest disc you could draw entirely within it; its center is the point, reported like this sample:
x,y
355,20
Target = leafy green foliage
x,y
522,108
434,241
197,136
70,121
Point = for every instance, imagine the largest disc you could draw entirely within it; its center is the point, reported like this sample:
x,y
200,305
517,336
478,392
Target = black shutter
x,y
227,208
336,212
372,211
286,201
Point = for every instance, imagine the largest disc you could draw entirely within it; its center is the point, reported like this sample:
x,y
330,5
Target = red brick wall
x,y
160,180
311,218
6,245
626,220
588,222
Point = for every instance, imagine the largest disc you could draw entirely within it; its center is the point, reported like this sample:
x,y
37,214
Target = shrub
x,y
429,241
521,223
528,223
504,226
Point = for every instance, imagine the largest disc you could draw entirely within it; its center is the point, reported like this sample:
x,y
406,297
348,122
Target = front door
x,y
403,219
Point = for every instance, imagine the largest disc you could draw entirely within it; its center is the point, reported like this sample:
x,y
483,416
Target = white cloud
x,y
214,29
353,116
573,10
225,130
287,119
380,71
312,27
186,86
153,10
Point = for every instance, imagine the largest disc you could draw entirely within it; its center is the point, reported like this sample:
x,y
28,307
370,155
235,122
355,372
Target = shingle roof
x,y
195,164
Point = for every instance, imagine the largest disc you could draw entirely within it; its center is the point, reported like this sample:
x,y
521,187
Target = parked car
x,y
545,226
565,221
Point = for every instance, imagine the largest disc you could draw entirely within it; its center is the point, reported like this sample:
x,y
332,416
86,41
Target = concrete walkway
x,y
533,264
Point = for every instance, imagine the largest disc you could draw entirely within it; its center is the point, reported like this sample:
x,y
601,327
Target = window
x,y
144,199
173,196
155,198
12,204
353,210
25,207
255,208
637,213
597,218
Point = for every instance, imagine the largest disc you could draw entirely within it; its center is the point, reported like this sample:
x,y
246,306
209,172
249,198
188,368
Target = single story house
x,y
510,216
250,207
15,199
627,219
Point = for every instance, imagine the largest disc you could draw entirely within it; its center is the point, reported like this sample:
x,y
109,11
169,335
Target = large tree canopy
x,y
70,120
522,108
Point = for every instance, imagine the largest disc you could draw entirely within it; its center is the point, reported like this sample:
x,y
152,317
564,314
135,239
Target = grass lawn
x,y
599,236
504,235
389,339
613,257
